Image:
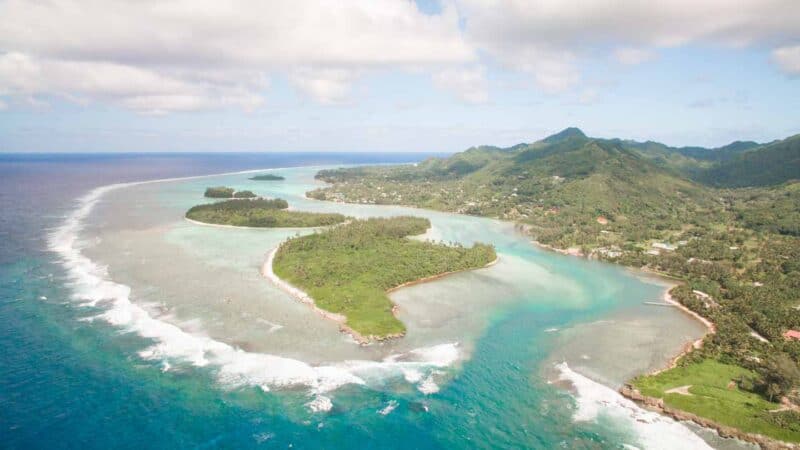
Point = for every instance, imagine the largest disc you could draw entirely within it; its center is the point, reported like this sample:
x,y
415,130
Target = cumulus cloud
x,y
155,56
788,59
547,37
140,89
327,86
467,84
158,56
662,24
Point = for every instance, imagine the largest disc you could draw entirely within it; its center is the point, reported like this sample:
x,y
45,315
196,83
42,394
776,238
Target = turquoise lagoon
x,y
524,354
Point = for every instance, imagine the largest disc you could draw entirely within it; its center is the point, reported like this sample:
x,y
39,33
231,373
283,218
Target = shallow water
x,y
475,370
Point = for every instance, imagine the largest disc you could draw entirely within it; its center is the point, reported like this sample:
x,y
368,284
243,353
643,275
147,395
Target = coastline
x,y
631,393
303,297
441,275
219,225
657,405
244,227
671,283
275,249
572,251
725,431
689,346
576,252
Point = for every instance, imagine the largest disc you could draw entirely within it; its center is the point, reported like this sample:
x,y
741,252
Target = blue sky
x,y
387,75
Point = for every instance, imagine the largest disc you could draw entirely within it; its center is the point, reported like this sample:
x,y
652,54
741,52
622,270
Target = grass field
x,y
712,395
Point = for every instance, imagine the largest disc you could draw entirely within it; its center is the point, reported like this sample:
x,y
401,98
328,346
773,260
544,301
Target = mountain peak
x,y
566,133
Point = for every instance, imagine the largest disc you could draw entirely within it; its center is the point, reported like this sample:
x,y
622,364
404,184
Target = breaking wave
x,y
650,429
92,287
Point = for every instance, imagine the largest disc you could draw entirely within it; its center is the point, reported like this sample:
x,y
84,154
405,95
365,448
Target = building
x,y
792,334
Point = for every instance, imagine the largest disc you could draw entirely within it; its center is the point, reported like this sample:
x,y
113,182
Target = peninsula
x,y
348,269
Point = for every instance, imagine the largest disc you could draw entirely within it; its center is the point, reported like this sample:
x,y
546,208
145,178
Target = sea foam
x,y
650,429
92,286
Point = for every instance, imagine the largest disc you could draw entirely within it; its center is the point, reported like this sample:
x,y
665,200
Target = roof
x,y
792,334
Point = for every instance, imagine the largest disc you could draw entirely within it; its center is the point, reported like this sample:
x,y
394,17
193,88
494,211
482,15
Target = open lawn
x,y
712,395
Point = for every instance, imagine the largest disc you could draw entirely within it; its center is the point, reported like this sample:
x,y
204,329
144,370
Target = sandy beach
x,y
698,343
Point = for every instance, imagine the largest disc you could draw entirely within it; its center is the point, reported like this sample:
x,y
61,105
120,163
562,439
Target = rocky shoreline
x,y
657,405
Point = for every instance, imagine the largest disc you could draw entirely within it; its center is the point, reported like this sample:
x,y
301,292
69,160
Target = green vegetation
x,y
244,194
259,213
645,205
219,192
226,192
348,269
565,179
267,177
763,166
714,392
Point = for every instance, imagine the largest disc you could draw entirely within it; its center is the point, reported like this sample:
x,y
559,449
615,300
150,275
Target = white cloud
x,y
140,89
632,56
468,84
788,59
327,86
662,24
156,56
547,38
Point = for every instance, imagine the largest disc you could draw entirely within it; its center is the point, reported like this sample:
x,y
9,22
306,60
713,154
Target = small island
x,y
226,192
267,177
347,270
259,213
244,194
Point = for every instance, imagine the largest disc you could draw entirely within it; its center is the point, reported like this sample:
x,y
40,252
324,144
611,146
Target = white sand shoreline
x,y
691,346
219,225
298,294
303,297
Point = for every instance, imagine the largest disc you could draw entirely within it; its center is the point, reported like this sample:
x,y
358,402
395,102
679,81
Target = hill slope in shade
x,y
765,165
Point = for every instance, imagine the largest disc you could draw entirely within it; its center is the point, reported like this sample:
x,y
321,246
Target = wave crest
x,y
91,286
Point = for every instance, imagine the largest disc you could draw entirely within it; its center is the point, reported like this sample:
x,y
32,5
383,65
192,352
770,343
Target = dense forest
x,y
725,221
226,192
268,213
348,269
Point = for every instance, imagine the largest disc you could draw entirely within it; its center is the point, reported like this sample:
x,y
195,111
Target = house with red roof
x,y
792,334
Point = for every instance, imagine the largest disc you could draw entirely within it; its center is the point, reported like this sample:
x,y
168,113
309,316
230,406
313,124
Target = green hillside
x,y
566,178
675,211
738,164
766,165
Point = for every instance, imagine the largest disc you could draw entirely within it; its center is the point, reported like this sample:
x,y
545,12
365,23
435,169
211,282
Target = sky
x,y
392,75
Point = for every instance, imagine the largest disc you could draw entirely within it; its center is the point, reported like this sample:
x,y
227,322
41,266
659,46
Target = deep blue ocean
x,y
69,383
